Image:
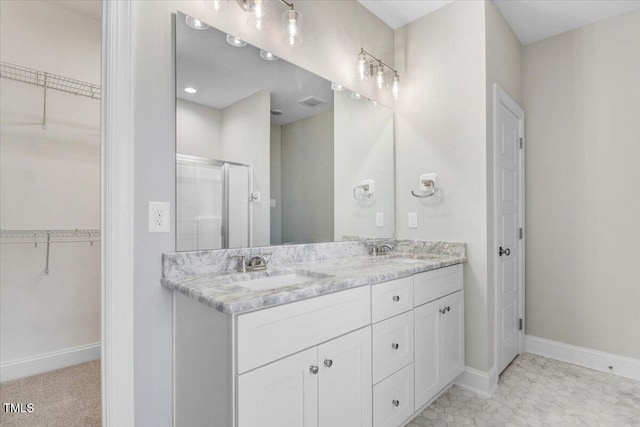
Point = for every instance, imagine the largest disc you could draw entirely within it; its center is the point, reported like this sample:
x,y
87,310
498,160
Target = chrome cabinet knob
x,y
448,308
395,346
443,310
396,298
313,369
328,363
395,403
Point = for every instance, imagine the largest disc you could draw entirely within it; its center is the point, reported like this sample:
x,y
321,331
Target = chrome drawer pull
x,y
313,369
395,403
328,363
395,346
396,298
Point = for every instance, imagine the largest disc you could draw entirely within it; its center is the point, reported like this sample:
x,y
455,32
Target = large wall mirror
x,y
269,154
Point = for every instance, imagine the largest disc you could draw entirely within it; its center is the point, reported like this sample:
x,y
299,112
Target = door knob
x,y
328,363
313,369
506,252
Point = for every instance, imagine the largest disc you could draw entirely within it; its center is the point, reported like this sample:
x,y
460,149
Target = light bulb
x,y
217,5
395,86
291,28
362,65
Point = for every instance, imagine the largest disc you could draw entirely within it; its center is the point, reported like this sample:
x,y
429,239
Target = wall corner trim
x,y
46,362
585,357
482,383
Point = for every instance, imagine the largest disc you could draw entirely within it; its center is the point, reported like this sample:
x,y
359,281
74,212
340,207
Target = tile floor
x,y
535,391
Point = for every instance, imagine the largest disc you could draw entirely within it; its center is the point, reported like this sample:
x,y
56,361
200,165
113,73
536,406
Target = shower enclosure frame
x,y
224,164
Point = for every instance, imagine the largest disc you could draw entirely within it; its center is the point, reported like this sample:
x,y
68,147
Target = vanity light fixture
x,y
217,5
268,56
337,87
235,41
369,65
190,90
259,17
196,24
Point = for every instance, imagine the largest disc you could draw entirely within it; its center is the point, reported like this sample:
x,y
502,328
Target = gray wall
x,y
582,100
307,180
276,184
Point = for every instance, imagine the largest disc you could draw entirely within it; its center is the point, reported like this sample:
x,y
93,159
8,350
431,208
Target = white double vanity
x,y
357,341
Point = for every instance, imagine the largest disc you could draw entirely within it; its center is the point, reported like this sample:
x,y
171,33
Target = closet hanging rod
x,y
49,80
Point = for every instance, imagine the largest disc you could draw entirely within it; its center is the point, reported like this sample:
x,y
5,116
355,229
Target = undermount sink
x,y
275,282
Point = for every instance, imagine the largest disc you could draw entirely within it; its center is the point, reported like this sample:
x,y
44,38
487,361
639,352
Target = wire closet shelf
x,y
47,237
49,80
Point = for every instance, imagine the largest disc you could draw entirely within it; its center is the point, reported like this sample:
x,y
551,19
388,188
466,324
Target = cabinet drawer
x,y
392,345
391,298
435,284
393,399
267,335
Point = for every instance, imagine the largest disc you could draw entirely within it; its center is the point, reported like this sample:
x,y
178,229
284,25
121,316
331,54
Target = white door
x,y
345,381
451,336
283,393
508,251
427,352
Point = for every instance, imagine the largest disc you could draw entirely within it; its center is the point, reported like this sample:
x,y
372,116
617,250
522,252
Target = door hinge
x,y
521,233
521,142
520,324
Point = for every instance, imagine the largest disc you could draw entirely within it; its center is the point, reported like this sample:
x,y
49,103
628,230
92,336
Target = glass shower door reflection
x,y
213,207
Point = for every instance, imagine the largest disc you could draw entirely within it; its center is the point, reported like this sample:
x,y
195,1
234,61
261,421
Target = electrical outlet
x,y
413,219
379,219
159,217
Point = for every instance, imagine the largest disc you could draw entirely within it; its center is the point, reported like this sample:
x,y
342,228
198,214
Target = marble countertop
x,y
222,291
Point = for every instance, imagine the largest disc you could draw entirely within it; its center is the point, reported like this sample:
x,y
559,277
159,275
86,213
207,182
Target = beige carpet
x,y
67,397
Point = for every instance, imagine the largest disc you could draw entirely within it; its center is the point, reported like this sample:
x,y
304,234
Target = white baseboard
x,y
586,357
482,383
41,363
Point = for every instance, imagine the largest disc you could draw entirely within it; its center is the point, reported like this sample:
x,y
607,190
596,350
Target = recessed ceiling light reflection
x,y
196,24
268,56
235,41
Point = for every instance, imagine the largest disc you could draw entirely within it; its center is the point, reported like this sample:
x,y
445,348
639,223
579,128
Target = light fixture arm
x,y
376,60
286,3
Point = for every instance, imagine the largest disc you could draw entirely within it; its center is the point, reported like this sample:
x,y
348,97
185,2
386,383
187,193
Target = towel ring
x,y
427,183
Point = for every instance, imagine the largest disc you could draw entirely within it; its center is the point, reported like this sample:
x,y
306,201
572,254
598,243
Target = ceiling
x,y
224,74
530,20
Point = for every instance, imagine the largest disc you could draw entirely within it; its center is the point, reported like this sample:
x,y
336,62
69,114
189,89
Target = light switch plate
x,y
159,217
379,219
413,219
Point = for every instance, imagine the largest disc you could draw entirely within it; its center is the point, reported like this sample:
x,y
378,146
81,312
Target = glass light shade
x,y
337,87
379,76
196,24
259,14
292,28
362,66
235,41
355,95
217,5
395,86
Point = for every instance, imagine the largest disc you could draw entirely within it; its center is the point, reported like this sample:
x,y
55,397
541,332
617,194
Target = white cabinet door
x,y
345,381
427,352
452,337
283,393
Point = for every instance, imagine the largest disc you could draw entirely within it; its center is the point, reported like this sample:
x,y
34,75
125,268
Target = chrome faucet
x,y
380,249
257,263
